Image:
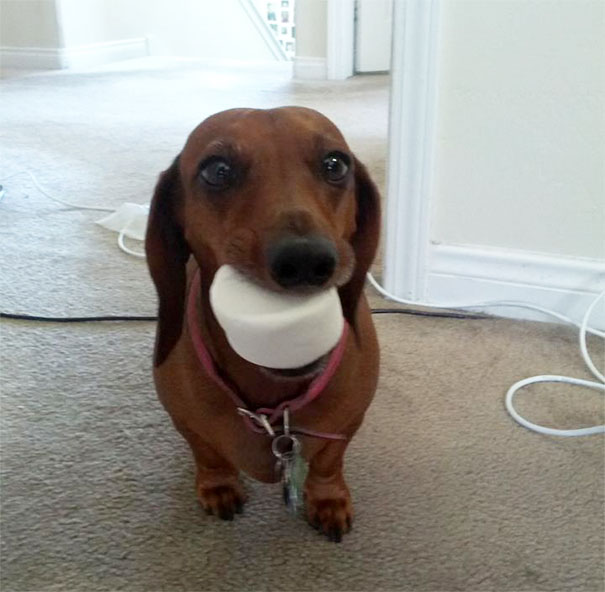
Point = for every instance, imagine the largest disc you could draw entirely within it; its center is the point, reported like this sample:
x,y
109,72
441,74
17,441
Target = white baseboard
x,y
83,56
30,58
156,60
468,274
310,68
102,53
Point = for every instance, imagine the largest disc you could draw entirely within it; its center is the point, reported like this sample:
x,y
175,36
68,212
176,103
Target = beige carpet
x,y
97,488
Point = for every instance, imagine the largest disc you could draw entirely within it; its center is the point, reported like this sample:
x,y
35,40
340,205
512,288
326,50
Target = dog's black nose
x,y
302,261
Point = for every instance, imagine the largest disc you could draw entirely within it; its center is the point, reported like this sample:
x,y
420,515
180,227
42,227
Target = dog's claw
x,y
331,517
223,501
225,514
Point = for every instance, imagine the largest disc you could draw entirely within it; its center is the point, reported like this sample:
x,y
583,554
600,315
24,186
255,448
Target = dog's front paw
x,y
222,500
332,515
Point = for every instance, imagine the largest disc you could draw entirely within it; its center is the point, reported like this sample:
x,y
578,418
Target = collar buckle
x,y
260,419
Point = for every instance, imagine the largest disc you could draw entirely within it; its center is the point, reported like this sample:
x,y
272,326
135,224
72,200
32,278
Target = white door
x,y
373,35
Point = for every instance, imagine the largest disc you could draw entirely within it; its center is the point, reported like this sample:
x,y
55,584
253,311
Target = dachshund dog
x,y
252,187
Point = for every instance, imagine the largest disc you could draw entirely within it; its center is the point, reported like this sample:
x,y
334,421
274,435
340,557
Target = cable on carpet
x,y
512,391
126,318
93,319
484,304
122,233
426,313
583,326
56,199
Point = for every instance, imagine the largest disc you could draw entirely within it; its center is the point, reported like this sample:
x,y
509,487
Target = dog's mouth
x,y
303,372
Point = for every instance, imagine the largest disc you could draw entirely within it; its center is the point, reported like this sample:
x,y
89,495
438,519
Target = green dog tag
x,y
293,480
291,466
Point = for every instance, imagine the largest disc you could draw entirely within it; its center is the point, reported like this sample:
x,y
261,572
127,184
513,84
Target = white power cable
x,y
512,391
582,336
599,429
53,198
121,244
485,304
124,247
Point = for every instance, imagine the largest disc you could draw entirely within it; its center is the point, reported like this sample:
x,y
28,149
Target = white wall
x,y
311,28
85,22
520,155
28,23
496,187
191,28
65,33
311,39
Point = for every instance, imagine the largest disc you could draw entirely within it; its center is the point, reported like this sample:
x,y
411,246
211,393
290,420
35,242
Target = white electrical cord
x,y
582,337
124,247
486,304
121,244
46,194
583,326
512,391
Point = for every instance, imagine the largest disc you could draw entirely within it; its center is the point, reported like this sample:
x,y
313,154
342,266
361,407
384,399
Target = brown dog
x,y
278,194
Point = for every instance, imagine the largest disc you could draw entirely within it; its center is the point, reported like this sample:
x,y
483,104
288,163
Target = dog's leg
x,y
327,497
217,484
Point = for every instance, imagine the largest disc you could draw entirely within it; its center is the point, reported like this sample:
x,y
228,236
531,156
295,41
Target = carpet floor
x,y
97,487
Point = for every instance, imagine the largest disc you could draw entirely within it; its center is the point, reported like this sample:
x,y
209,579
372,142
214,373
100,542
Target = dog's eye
x,y
216,172
335,166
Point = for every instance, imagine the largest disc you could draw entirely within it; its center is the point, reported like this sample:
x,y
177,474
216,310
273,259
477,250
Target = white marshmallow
x,y
275,330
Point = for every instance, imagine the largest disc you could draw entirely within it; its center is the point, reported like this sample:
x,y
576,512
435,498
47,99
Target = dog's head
x,y
277,194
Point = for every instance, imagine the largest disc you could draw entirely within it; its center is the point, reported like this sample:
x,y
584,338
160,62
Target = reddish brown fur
x,y
280,192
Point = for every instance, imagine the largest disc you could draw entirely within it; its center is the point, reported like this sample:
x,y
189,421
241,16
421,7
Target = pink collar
x,y
264,418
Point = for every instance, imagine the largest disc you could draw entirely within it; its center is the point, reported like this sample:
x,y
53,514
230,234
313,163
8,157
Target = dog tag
x,y
293,480
292,468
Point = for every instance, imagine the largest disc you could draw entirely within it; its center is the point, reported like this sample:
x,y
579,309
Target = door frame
x,y
340,50
414,74
413,94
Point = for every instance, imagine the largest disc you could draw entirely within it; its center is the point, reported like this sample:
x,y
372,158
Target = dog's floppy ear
x,y
364,240
167,254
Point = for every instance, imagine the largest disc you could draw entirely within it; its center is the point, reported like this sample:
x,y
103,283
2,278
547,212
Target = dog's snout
x,y
302,261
